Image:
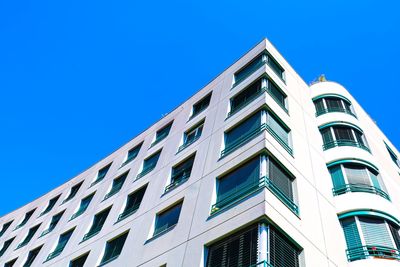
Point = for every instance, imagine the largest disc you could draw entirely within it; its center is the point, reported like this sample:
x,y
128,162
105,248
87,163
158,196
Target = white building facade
x,y
256,169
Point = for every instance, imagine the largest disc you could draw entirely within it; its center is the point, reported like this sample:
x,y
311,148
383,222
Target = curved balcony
x,y
375,252
336,109
338,143
359,188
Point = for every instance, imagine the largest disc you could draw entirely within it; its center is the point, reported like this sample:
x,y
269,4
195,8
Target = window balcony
x,y
338,143
378,252
359,188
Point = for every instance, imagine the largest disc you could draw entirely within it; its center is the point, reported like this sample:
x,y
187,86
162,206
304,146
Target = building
x,y
256,169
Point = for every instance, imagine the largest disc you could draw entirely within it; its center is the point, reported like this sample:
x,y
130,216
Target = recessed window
x,y
242,249
132,154
113,248
201,105
356,177
62,242
167,219
29,236
98,222
73,192
192,135
329,104
260,172
32,256
343,135
116,185
101,174
371,237
149,164
52,203
80,261
5,227
132,203
27,216
255,64
162,133
180,173
10,263
6,245
83,206
53,223
253,126
393,156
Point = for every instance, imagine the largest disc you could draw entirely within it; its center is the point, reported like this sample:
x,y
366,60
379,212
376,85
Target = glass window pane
x,y
375,232
281,179
278,128
113,248
167,219
249,69
343,133
245,96
246,175
357,174
249,125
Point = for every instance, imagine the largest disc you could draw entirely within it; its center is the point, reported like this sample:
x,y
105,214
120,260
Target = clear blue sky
x,y
76,76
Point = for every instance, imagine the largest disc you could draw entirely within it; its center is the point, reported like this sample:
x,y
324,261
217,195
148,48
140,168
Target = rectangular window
x,y
80,261
243,249
98,222
73,192
254,125
255,64
32,231
32,256
149,164
6,245
52,203
83,206
5,227
249,69
132,154
167,219
62,242
180,173
101,174
244,97
132,203
242,133
393,156
54,221
201,105
162,133
238,249
249,178
117,185
192,135
28,215
113,248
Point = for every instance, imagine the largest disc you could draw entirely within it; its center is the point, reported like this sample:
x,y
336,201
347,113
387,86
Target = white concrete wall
x,y
317,230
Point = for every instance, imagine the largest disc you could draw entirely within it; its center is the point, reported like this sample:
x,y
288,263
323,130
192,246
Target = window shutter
x,y
239,250
337,176
343,133
282,252
351,233
277,127
280,179
375,232
377,182
396,235
357,175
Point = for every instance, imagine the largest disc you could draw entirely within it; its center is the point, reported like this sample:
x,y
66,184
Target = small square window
x,y
73,192
32,256
180,173
79,261
117,185
201,105
167,219
98,222
113,248
133,202
101,174
132,154
62,243
149,164
52,203
162,133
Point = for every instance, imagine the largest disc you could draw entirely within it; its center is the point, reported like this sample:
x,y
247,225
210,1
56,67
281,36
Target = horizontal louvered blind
x,y
282,252
237,250
277,127
319,105
357,174
343,133
280,179
327,135
375,232
351,233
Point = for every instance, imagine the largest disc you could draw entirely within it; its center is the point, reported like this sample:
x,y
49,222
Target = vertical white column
x,y
264,83
262,243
